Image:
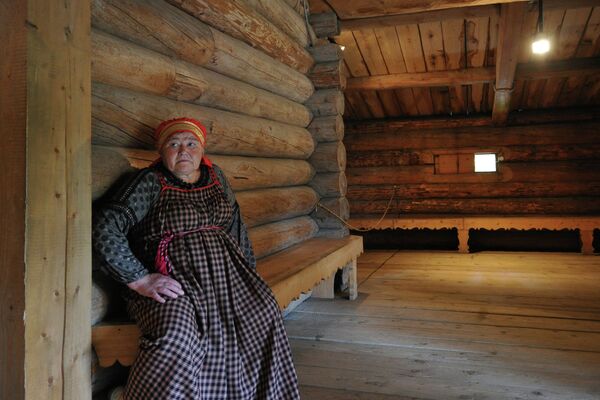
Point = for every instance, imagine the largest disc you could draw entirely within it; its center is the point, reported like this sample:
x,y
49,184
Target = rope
x,y
354,228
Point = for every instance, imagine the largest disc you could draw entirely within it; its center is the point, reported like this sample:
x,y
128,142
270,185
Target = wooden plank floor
x,y
440,325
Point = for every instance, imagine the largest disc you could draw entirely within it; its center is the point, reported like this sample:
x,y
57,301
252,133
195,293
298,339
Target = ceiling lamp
x,y
540,44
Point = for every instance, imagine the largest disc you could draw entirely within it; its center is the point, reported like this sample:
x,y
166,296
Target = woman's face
x,y
182,154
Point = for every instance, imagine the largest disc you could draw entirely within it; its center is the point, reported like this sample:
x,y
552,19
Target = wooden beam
x,y
522,118
45,272
467,76
353,9
417,18
558,69
562,4
510,25
13,113
444,14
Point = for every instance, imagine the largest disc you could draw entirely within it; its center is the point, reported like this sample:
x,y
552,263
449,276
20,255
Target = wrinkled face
x,y
182,154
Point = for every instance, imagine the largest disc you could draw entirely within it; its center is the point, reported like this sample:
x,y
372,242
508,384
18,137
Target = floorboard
x,y
443,326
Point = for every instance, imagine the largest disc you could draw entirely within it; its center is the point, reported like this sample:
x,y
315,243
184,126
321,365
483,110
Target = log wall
x,y
241,67
545,169
327,129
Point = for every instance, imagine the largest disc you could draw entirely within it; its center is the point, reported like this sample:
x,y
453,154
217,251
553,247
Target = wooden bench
x,y
289,273
585,224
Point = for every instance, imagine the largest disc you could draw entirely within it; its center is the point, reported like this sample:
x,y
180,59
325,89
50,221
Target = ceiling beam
x,y
558,69
467,76
460,11
509,39
529,117
418,18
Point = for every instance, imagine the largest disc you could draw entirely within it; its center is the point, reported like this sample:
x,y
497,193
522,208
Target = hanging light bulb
x,y
540,44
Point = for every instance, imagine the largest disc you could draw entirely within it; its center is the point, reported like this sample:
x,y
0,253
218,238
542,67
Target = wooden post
x,y
351,269
511,21
587,238
325,289
463,240
45,277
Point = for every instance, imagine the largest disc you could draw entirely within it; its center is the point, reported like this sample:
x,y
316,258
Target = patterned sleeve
x,y
237,229
113,220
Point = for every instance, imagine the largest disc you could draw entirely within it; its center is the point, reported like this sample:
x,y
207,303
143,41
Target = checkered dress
x,y
223,339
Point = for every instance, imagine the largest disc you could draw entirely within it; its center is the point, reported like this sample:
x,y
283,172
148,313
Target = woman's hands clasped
x,y
156,286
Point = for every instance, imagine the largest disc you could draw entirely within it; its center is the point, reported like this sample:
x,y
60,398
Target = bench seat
x,y
585,225
289,273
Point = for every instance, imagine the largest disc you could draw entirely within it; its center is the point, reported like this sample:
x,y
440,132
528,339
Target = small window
x,y
485,162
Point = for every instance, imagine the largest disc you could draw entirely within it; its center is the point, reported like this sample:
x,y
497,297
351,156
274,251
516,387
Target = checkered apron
x,y
223,339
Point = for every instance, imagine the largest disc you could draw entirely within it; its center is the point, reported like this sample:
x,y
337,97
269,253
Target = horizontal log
x,y
284,17
326,52
474,190
333,233
329,157
496,206
243,173
467,76
326,102
558,69
328,75
176,34
388,158
124,64
470,76
126,118
356,24
325,24
470,137
240,20
237,60
327,129
108,167
330,184
270,205
270,238
297,5
527,153
100,303
559,171
156,25
516,118
329,209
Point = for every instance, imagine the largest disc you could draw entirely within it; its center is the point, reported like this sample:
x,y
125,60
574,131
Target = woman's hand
x,y
157,285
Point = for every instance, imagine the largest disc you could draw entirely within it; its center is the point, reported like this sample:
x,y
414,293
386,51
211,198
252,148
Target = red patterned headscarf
x,y
177,125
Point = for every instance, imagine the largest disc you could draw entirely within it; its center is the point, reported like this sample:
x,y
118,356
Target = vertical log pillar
x,y
45,279
327,129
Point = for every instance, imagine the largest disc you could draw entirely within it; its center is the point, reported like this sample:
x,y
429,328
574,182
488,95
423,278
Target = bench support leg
x,y
324,290
587,237
463,240
352,279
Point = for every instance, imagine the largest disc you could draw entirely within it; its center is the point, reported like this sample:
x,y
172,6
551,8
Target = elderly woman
x,y
211,328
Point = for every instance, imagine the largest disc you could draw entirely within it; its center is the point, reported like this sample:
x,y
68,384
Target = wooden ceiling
x,y
407,58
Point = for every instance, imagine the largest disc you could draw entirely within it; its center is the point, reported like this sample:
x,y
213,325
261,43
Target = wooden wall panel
x,y
545,169
13,111
45,279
